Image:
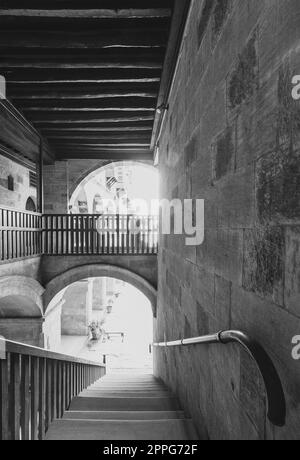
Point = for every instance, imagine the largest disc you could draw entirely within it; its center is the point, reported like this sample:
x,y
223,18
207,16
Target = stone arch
x,y
21,297
31,204
89,173
98,270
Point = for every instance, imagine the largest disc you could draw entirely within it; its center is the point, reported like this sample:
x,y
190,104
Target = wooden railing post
x,y
58,390
4,400
48,393
42,398
34,397
25,397
15,403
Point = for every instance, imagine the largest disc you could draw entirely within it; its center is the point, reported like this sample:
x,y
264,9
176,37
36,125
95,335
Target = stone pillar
x,y
99,294
75,317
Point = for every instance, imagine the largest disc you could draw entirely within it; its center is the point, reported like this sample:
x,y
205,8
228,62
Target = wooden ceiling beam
x,y
83,75
98,127
81,91
101,145
124,103
81,117
48,132
94,38
96,13
105,154
88,4
144,136
122,62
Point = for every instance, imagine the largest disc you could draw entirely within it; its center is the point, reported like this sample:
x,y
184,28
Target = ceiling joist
x,y
88,74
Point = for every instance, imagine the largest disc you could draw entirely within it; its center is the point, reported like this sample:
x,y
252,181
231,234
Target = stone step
x,y
122,394
124,415
94,430
124,404
126,388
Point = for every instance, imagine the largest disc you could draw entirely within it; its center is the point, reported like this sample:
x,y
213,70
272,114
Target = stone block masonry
x,y
232,137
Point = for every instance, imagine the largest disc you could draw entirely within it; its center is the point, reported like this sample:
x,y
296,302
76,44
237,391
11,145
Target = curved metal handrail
x,y
273,385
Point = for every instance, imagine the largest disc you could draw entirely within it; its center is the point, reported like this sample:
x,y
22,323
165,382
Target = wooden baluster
x,y
34,397
63,390
25,398
103,235
54,414
4,400
149,235
42,398
108,234
57,235
48,393
62,234
67,385
67,246
71,381
58,389
72,234
77,223
15,396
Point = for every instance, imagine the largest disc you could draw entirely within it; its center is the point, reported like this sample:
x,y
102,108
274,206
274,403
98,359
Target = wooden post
x,y
34,398
54,413
42,398
48,393
4,400
25,398
15,397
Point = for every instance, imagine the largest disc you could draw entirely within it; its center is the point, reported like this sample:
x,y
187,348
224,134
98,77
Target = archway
x,y
96,317
59,283
30,205
127,183
21,310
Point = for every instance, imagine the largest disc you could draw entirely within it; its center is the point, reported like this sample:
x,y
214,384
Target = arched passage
x,y
113,182
93,271
90,173
15,288
21,310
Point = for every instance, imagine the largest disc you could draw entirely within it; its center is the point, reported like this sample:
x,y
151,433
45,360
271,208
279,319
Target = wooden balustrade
x,y
37,386
86,234
20,234
26,234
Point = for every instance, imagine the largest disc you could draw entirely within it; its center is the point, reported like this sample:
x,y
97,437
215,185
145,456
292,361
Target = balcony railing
x,y
20,234
37,386
25,234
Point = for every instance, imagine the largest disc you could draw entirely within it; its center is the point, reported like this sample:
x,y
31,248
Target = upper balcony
x,y
25,234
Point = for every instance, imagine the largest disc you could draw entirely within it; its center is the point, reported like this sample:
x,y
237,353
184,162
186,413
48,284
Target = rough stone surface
x,y
22,190
231,137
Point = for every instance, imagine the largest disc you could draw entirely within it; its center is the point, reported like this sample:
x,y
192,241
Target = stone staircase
x,y
124,407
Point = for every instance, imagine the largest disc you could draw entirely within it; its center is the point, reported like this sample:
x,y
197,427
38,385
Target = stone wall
x,y
62,178
23,330
17,197
232,138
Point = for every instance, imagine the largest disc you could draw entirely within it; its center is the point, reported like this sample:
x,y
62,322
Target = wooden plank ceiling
x,y
87,73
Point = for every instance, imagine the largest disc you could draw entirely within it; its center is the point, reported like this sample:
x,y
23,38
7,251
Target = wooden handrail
x,y
8,346
273,385
37,386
